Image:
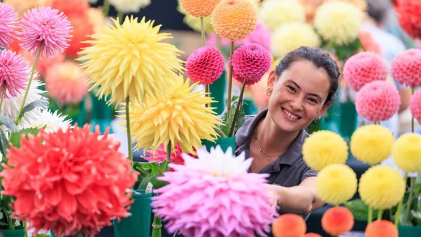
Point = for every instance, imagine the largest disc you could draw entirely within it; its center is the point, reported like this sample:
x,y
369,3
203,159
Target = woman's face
x,y
298,96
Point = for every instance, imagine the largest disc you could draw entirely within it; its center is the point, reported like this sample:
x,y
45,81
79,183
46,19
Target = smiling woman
x,y
301,89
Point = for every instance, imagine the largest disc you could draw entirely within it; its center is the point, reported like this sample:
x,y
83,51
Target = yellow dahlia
x,y
199,8
194,22
336,184
372,143
406,152
130,60
381,187
180,116
291,36
274,13
323,148
338,22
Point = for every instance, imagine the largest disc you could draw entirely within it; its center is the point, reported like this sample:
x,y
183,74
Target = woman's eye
x,y
312,100
290,88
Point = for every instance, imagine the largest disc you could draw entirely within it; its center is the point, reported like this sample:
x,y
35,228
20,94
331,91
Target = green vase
x,y
217,90
409,231
101,114
139,223
13,233
224,143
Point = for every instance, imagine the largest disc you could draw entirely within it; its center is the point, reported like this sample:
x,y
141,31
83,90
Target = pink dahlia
x,y
410,17
363,68
250,62
214,195
68,181
8,22
415,105
44,64
205,65
406,68
161,155
14,73
377,101
45,26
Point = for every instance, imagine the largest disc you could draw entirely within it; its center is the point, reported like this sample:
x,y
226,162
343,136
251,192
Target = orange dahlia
x,y
199,8
82,29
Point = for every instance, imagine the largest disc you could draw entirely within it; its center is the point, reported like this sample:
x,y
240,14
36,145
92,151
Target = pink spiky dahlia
x,y
8,22
68,181
406,68
205,65
415,105
14,73
363,68
250,62
377,101
214,195
47,26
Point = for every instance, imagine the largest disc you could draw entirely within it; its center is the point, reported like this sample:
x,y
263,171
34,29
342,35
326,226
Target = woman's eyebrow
x,y
312,94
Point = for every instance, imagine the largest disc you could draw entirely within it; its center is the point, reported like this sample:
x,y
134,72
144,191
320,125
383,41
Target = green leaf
x,y
16,136
34,104
4,144
359,209
10,124
227,119
153,179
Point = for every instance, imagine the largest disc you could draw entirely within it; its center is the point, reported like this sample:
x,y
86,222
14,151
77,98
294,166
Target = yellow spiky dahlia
x,y
372,143
130,60
234,19
199,8
406,152
180,116
323,148
381,187
291,36
338,22
275,13
336,184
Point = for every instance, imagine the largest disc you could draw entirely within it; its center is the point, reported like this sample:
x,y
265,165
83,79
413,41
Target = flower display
x,y
409,16
372,143
130,60
336,184
71,8
8,19
178,117
381,228
22,6
80,35
234,19
291,36
66,83
289,225
14,73
49,121
205,65
199,8
250,62
377,101
338,22
161,155
46,28
406,152
323,148
381,187
82,189
337,221
415,105
364,67
406,68
127,6
239,206
195,22
276,13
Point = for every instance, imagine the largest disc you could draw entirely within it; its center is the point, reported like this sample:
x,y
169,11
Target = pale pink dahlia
x,y
205,65
363,68
14,73
406,68
45,26
250,62
68,181
214,195
415,105
8,22
377,101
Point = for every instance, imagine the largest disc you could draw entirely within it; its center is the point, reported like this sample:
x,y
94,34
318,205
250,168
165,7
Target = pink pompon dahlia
x,y
406,68
250,62
363,68
377,101
205,65
46,27
214,195
415,105
68,181
410,17
14,73
8,24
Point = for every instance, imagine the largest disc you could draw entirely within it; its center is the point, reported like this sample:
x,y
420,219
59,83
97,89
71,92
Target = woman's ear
x,y
324,109
271,80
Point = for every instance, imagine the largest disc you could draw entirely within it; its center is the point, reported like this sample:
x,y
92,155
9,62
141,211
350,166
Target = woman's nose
x,y
296,105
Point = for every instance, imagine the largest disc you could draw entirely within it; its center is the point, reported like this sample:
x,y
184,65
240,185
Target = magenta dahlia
x,y
415,105
406,68
14,73
205,65
8,24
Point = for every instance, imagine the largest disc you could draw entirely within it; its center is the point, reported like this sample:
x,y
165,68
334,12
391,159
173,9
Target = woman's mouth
x,y
291,116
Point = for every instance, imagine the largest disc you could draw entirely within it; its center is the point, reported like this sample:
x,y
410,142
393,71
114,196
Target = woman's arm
x,y
299,199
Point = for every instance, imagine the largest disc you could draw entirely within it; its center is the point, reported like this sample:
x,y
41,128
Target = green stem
x,y
120,17
370,215
398,211
129,134
411,191
2,96
230,78
79,234
106,8
24,227
156,227
380,214
29,85
169,151
207,93
240,100
412,117
202,32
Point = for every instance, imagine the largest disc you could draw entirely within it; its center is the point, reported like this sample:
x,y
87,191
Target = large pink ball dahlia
x,y
68,181
250,62
363,68
214,195
205,65
14,73
377,101
8,24
406,68
415,105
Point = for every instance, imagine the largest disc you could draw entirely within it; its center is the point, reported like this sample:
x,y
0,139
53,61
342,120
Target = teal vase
x,y
139,223
101,114
409,231
217,92
224,143
13,233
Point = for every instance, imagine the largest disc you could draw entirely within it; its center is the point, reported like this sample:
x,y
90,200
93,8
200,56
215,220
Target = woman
x,y
301,89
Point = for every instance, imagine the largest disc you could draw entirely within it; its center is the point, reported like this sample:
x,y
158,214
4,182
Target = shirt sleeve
x,y
307,173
